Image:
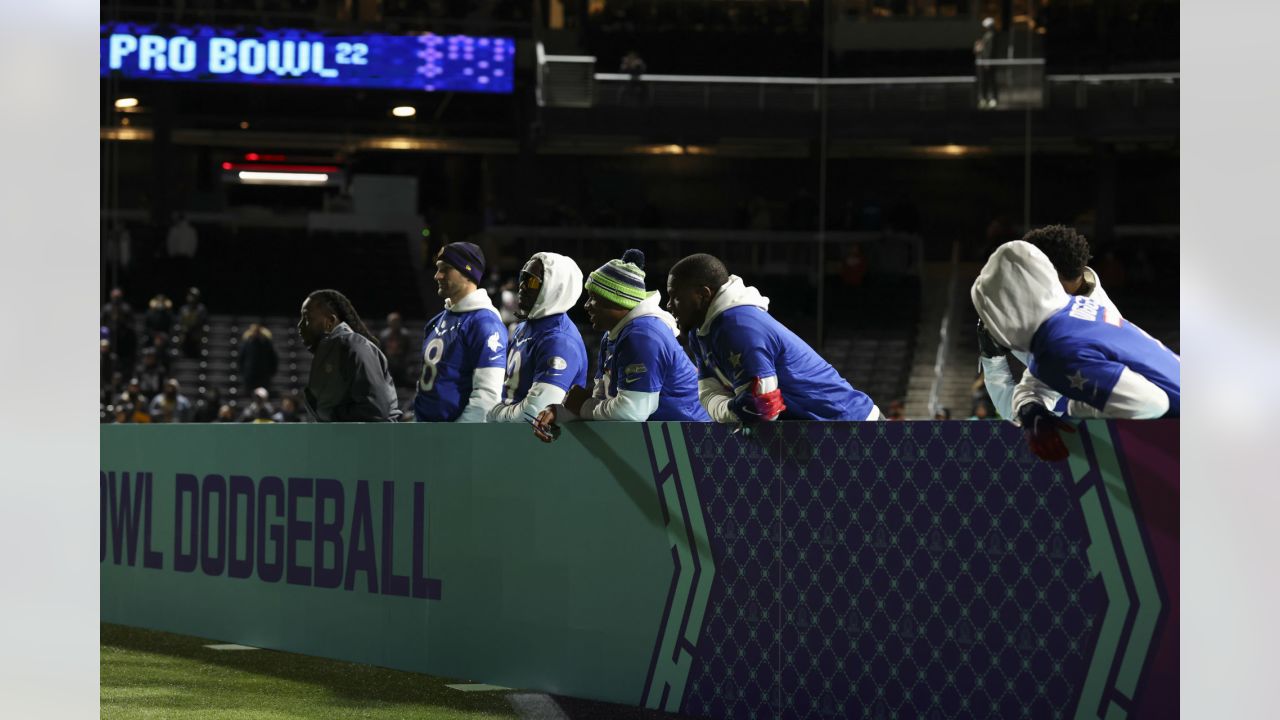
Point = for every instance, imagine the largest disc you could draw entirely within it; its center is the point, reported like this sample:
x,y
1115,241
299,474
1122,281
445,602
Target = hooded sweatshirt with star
x,y
999,379
739,341
1078,347
644,374
462,359
547,355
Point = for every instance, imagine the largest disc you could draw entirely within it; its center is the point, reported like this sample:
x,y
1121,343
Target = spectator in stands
x,y
151,374
181,245
207,405
171,405
159,341
258,360
349,380
982,410
396,345
226,414
132,389
117,306
107,363
942,414
260,410
123,337
634,92
897,410
288,412
132,409
159,317
117,251
191,320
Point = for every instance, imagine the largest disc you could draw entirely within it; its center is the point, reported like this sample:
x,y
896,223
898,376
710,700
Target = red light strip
x,y
265,167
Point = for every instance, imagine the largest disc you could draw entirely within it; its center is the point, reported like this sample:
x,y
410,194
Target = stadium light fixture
x,y
259,177
404,111
125,103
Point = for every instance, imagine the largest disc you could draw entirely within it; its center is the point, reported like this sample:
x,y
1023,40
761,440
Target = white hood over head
x,y
561,285
733,293
1017,290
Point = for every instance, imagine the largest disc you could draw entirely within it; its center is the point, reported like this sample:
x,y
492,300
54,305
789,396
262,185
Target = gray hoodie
x,y
349,380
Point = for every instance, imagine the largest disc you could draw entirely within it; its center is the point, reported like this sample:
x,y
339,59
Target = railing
x,y
929,93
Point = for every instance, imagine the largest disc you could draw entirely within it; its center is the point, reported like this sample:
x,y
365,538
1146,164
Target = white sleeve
x,y
628,405
715,399
999,382
1133,397
486,387
540,395
1029,390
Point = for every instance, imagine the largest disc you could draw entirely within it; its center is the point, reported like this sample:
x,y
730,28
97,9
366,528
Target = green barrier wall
x,y
810,570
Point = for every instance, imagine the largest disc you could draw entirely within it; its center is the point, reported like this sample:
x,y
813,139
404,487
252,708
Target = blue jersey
x,y
646,358
745,342
547,350
456,343
1081,350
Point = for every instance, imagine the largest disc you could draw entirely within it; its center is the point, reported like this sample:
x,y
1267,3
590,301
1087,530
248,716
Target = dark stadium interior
x,y
919,183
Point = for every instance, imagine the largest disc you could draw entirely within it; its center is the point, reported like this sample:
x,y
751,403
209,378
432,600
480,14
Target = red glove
x,y
769,404
754,406
1041,426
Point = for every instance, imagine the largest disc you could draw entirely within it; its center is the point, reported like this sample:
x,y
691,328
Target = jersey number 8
x,y
513,376
430,357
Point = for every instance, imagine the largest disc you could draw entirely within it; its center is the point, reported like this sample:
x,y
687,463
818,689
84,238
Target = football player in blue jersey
x,y
1069,253
465,345
547,355
751,368
1103,364
643,374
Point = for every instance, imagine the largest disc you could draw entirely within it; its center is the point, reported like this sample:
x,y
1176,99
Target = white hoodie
x,y
1016,291
999,378
561,288
627,404
486,382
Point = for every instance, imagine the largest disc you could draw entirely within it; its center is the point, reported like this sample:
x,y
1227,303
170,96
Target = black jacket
x,y
349,381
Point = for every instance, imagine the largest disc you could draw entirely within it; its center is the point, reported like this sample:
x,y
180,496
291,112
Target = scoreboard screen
x,y
427,62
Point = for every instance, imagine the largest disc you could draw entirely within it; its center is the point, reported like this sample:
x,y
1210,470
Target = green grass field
x,y
147,674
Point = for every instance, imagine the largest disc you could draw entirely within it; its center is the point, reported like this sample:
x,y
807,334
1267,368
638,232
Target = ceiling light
x,y
257,177
124,103
404,111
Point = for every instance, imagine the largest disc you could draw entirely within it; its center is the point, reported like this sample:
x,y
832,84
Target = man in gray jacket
x,y
349,379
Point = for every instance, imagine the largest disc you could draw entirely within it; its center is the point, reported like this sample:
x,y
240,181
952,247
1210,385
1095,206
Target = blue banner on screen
x,y
458,63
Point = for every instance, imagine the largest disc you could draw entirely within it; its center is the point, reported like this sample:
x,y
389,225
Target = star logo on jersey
x,y
1078,381
494,342
559,363
735,359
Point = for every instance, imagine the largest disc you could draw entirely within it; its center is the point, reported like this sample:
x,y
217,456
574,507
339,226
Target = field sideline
x,y
147,674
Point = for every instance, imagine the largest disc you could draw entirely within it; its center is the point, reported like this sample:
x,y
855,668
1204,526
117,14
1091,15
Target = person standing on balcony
x,y
984,49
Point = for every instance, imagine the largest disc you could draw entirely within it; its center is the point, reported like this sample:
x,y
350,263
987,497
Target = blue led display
x,y
459,63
